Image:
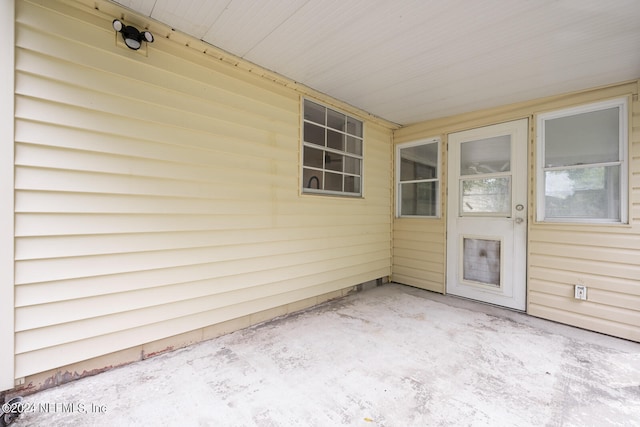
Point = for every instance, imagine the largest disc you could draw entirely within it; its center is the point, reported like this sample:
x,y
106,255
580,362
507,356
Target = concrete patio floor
x,y
389,356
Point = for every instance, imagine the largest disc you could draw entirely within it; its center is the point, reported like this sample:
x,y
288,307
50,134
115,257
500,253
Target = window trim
x,y
623,162
312,191
438,179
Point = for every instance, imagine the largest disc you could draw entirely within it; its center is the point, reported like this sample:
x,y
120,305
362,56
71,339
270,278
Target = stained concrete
x,y
391,356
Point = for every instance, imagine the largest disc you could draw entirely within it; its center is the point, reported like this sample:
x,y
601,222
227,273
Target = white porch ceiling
x,y
413,60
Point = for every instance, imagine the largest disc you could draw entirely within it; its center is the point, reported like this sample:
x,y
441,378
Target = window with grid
x,y
582,164
418,181
331,152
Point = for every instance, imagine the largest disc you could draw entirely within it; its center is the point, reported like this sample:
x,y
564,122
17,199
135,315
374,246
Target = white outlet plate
x,y
580,292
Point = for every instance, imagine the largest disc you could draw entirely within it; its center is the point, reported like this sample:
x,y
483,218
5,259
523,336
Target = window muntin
x,y
582,164
332,151
418,179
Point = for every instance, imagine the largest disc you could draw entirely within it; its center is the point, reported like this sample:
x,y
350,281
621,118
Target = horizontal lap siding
x,y
419,253
157,195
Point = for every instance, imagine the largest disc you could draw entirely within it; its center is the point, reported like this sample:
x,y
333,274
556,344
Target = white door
x,y
487,214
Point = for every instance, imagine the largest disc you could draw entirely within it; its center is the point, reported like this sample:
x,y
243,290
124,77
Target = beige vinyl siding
x,y
7,46
158,192
419,253
605,258
634,156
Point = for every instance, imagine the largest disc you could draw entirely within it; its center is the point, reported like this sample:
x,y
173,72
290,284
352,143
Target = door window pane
x,y
486,156
486,195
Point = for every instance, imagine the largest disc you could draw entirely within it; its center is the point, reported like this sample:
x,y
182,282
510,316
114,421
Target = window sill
x,y
332,194
582,225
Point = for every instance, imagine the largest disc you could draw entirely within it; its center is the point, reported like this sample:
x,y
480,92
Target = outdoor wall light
x,y
132,37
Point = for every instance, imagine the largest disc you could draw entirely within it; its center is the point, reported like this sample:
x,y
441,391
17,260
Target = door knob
x,y
519,207
519,220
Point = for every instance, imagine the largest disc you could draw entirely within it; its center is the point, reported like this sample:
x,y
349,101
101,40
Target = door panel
x,y
487,214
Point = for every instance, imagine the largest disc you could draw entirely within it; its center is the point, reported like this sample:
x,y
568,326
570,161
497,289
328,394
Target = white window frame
x,y
437,179
622,104
305,190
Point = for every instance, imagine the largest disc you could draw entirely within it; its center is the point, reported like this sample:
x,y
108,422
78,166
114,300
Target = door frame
x,y
517,297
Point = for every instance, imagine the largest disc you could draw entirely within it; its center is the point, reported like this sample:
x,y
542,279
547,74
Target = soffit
x,y
413,60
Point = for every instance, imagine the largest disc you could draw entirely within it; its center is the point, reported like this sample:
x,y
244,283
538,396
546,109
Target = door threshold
x,y
471,300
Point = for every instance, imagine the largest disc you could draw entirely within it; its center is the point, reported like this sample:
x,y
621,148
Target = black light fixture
x,y
132,37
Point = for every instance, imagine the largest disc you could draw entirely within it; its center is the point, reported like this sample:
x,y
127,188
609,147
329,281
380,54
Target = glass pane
x,y
352,184
488,195
333,181
482,261
313,157
354,145
490,155
333,161
582,138
583,193
314,134
352,165
335,140
312,179
336,120
314,112
419,162
419,198
354,127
